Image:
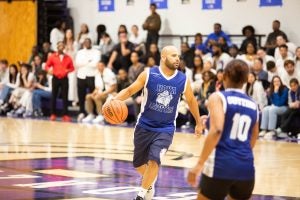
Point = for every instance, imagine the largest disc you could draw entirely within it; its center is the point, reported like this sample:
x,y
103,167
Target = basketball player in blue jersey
x,y
226,161
162,88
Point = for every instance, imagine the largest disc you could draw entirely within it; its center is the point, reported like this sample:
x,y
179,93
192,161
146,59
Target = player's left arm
x,y
193,105
255,132
217,119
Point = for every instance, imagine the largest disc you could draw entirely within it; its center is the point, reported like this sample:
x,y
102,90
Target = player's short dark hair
x,y
237,72
154,5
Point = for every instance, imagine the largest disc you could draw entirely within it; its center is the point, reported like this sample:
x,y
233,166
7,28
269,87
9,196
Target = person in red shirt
x,y
59,65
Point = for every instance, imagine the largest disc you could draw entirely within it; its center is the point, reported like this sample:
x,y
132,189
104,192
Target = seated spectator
x,y
283,50
289,72
254,89
42,91
122,83
213,38
21,93
198,44
219,80
4,74
138,40
233,51
7,88
187,54
153,52
106,46
250,54
197,74
278,96
187,71
297,59
136,68
122,29
261,53
223,44
47,51
120,56
206,89
220,58
260,74
271,38
281,41
37,65
34,52
292,112
105,85
150,62
272,70
249,33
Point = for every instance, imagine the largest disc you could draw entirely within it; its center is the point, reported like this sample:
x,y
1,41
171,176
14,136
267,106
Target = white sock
x,y
142,192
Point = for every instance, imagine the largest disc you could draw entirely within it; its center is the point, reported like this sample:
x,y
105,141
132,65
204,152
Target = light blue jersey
x,y
160,100
233,158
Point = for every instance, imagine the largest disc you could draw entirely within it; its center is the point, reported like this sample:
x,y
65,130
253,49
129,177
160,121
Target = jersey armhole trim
x,y
223,101
147,78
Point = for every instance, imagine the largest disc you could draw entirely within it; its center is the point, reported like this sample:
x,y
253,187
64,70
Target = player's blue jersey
x,y
161,96
233,158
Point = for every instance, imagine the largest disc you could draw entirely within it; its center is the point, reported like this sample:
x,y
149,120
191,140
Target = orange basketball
x,y
115,111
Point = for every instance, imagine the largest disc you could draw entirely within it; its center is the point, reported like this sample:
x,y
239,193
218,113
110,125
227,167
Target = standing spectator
x,y
83,34
249,33
57,34
59,65
152,25
71,50
120,56
271,39
105,85
213,38
86,64
278,97
101,29
292,112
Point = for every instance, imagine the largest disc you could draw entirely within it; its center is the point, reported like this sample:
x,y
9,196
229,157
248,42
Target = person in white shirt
x,y
105,85
83,34
57,34
261,53
297,59
254,89
220,59
283,50
137,39
289,72
86,63
4,73
280,40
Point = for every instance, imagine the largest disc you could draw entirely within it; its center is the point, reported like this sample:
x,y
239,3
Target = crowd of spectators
x,y
85,72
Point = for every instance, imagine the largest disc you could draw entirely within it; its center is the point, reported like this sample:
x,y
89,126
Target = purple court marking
x,y
120,181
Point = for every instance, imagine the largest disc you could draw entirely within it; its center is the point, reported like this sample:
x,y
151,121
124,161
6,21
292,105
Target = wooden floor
x,y
277,163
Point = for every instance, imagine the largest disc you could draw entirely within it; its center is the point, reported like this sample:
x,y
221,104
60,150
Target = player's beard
x,y
172,66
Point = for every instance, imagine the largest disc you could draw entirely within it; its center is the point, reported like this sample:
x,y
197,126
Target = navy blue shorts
x,y
149,145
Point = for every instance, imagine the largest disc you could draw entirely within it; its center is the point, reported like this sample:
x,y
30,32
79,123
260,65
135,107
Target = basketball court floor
x,y
40,159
